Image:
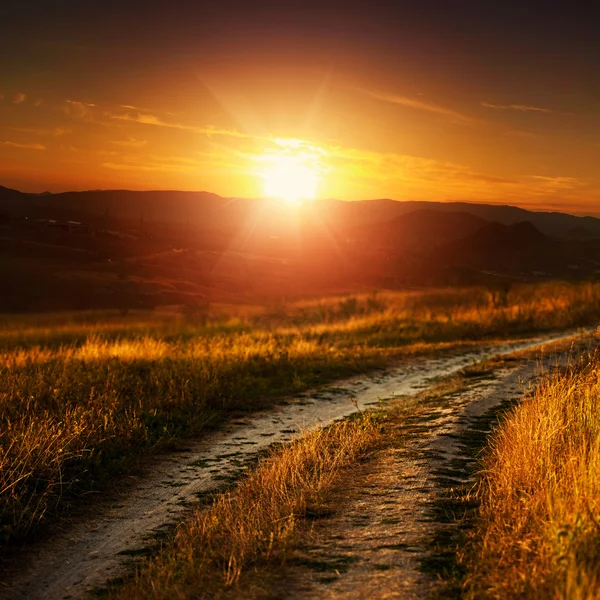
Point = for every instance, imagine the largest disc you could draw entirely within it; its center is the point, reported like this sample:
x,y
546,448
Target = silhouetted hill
x,y
160,206
418,231
210,210
581,233
8,195
519,247
370,211
549,223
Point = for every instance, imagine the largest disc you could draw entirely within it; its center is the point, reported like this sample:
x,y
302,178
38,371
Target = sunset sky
x,y
477,101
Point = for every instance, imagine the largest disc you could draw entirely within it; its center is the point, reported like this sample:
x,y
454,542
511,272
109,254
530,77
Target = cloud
x,y
490,178
55,132
556,184
144,119
418,105
147,118
524,108
19,98
107,116
174,164
130,143
132,115
75,108
209,130
420,177
24,146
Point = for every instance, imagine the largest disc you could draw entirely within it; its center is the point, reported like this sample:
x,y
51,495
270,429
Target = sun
x,y
290,178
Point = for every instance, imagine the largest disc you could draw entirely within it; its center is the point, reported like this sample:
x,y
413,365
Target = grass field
x,y
83,395
539,522
253,524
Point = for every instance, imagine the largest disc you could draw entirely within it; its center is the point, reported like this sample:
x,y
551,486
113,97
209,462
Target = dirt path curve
x,y
391,536
98,548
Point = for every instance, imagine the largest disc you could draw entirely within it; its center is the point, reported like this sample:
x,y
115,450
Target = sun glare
x,y
290,178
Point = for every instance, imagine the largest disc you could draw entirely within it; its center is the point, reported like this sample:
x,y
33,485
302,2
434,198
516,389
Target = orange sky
x,y
370,126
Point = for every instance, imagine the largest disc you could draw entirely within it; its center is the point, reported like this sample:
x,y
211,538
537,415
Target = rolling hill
x,y
123,248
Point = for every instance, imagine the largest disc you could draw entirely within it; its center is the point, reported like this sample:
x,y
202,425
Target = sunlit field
x,y
84,395
539,521
255,522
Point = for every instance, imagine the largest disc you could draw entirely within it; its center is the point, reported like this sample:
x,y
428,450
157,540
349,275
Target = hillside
x,y
128,249
519,247
417,231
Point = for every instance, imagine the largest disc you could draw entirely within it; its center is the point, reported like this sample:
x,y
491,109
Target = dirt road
x,y
390,535
98,548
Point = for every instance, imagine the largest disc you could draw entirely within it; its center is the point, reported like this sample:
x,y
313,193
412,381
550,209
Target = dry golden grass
x,y
255,522
539,521
84,394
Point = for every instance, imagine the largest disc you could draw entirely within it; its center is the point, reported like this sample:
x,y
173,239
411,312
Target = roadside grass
x,y
256,522
82,395
238,545
428,315
538,525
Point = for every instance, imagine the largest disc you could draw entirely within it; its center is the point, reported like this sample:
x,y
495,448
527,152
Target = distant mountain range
x,y
202,209
551,223
114,248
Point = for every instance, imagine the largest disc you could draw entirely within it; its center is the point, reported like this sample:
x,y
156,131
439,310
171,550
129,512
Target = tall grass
x,y
539,521
83,395
256,521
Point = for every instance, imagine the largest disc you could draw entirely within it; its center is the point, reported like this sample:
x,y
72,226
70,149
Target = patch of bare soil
x,y
393,531
92,550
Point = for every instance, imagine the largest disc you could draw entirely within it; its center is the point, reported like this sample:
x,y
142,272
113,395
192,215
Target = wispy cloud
x,y
418,104
210,131
175,164
524,108
19,98
143,119
521,134
24,146
557,184
413,170
428,178
75,108
55,131
131,107
108,115
147,118
130,142
134,114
